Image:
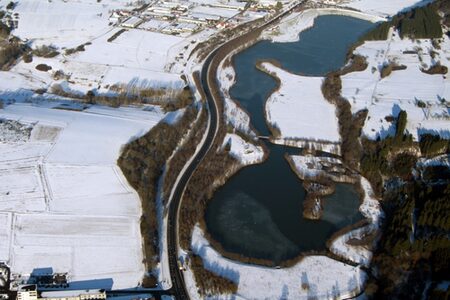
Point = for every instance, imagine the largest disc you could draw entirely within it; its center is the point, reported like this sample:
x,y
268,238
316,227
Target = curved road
x,y
178,285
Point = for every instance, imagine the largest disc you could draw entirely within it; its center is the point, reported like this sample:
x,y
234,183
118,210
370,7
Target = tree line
x,y
142,162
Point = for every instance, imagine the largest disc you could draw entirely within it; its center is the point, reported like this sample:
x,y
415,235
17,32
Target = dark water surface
x,y
258,213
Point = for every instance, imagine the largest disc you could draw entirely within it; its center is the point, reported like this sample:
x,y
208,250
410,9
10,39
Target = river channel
x,y
258,212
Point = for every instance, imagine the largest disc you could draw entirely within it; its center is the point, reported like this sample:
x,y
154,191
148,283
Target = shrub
x,y
27,57
182,99
436,69
43,67
9,53
116,35
4,30
431,145
149,281
421,104
401,124
45,51
10,5
74,50
391,66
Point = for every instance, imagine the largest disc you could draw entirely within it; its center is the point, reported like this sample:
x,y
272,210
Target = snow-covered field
x,y
63,23
317,277
301,116
135,59
132,60
64,202
403,89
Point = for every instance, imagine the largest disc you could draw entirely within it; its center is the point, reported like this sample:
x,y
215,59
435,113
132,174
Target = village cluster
x,y
178,17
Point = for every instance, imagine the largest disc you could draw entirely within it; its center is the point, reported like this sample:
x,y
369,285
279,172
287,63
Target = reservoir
x,y
258,212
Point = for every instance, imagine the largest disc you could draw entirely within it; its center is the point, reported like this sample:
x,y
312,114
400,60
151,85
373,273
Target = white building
x,y
190,19
132,22
230,5
27,292
74,295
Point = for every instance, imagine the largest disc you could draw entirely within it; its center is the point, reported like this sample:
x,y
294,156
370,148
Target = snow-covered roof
x,y
73,293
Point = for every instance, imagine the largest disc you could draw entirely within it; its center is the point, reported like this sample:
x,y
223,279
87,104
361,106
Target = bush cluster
x,y
70,51
387,69
9,53
45,51
43,67
431,145
116,35
436,69
4,30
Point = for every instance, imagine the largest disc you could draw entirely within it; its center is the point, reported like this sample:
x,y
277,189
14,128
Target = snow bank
x,y
401,90
246,152
69,206
298,108
234,114
313,277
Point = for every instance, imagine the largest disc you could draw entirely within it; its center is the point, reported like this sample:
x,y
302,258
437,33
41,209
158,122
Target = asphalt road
x,y
178,284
